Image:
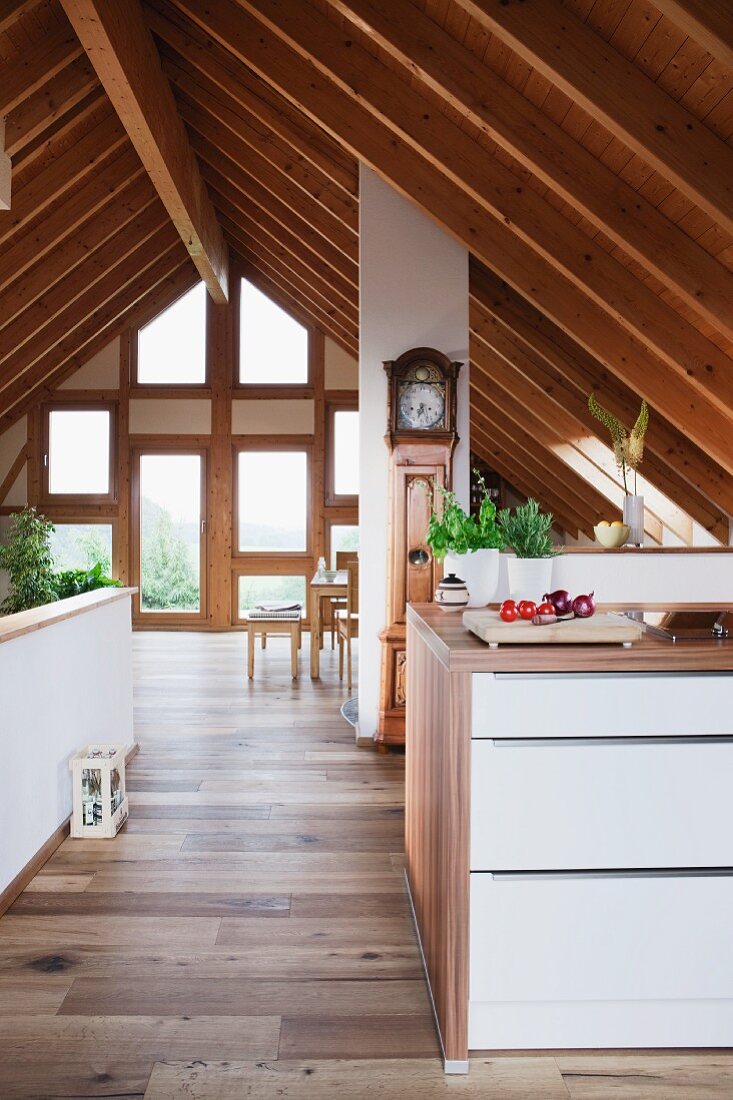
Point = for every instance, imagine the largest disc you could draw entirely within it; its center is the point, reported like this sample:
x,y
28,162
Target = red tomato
x,y
507,603
508,612
527,609
546,608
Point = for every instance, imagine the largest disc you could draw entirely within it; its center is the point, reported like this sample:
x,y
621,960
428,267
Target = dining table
x,y
321,588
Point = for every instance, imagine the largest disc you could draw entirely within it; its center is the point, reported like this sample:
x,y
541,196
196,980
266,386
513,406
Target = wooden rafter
x,y
262,102
123,53
13,473
617,93
54,99
35,66
538,144
268,44
709,22
568,364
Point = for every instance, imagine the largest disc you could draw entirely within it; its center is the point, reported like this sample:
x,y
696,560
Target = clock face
x,y
421,405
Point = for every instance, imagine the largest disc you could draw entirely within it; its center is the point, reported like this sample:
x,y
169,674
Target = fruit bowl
x,y
612,537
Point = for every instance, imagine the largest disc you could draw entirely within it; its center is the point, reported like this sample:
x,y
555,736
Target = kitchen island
x,y
569,839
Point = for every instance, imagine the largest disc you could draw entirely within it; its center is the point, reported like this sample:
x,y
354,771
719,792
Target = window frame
x,y
269,389
242,444
96,520
168,389
79,500
351,519
291,567
346,402
167,618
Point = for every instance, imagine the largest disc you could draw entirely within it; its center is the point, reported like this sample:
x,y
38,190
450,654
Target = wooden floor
x,y
247,934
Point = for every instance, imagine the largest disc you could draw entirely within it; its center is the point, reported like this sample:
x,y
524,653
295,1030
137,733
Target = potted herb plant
x,y
469,545
628,447
526,531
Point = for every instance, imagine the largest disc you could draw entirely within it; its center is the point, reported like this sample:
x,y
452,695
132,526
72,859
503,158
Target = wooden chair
x,y
343,557
347,621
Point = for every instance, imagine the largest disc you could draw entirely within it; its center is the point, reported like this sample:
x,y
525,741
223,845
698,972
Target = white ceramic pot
x,y
634,517
480,571
529,578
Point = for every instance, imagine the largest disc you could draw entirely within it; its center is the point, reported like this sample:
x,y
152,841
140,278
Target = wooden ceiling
x,y
580,149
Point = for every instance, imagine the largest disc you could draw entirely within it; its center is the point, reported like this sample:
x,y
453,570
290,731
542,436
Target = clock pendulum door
x,y
421,438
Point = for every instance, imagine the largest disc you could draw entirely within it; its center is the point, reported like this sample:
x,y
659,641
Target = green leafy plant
x,y
452,531
628,447
72,582
27,557
526,530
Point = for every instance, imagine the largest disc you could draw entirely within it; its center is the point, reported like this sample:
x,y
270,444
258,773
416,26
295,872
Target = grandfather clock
x,y
421,437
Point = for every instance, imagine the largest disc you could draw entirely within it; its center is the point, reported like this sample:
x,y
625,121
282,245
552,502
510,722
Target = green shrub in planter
x,y
27,557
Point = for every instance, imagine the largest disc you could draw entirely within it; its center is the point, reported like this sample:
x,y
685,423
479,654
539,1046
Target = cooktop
x,y
690,625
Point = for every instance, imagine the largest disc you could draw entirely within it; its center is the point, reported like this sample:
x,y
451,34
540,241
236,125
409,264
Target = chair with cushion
x,y
347,621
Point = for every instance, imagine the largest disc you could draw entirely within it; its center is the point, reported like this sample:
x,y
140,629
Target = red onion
x,y
584,606
560,600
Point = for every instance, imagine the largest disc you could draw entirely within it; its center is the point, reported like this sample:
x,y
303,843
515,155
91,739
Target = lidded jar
x,y
451,594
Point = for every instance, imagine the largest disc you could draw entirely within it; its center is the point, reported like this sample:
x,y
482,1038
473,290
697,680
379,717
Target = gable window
x,y
79,450
272,501
171,349
273,346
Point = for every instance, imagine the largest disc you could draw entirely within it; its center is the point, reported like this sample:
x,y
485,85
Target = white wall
x,y
413,282
61,687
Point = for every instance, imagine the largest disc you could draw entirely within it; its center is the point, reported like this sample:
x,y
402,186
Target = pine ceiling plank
x,y
241,86
35,66
709,22
525,475
550,153
574,399
573,365
121,48
36,331
97,304
11,11
264,44
520,405
48,232
63,173
54,99
29,301
247,191
452,151
155,289
618,94
489,415
290,254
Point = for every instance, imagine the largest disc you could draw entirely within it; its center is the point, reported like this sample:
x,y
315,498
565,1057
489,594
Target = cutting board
x,y
601,628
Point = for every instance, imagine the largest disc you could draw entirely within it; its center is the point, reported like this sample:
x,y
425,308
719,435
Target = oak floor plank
x,y
134,901
358,1037
634,1075
332,933
62,930
389,1079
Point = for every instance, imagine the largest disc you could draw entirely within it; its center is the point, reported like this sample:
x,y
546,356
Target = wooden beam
x,y
292,47
63,173
557,391
26,290
119,45
13,473
709,22
96,327
619,95
54,99
36,64
261,101
51,229
510,119
575,442
568,364
11,11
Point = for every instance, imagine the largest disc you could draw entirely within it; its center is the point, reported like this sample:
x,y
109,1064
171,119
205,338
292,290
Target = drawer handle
x,y
629,873
575,742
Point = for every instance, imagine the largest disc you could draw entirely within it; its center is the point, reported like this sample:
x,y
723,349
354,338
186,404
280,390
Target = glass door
x,y
170,544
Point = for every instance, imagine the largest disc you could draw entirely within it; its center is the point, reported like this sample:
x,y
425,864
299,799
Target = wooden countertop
x,y
15,626
460,651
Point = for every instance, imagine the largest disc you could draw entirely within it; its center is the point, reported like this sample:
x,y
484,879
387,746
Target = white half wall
x,y
413,289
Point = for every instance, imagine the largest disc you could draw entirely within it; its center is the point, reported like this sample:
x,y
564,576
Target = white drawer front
x,y
559,805
601,705
620,938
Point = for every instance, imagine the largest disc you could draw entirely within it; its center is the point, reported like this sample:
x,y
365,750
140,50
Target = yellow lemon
x,y
617,523
603,523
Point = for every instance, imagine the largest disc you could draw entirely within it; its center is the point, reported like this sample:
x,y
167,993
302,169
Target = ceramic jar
x,y
451,594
